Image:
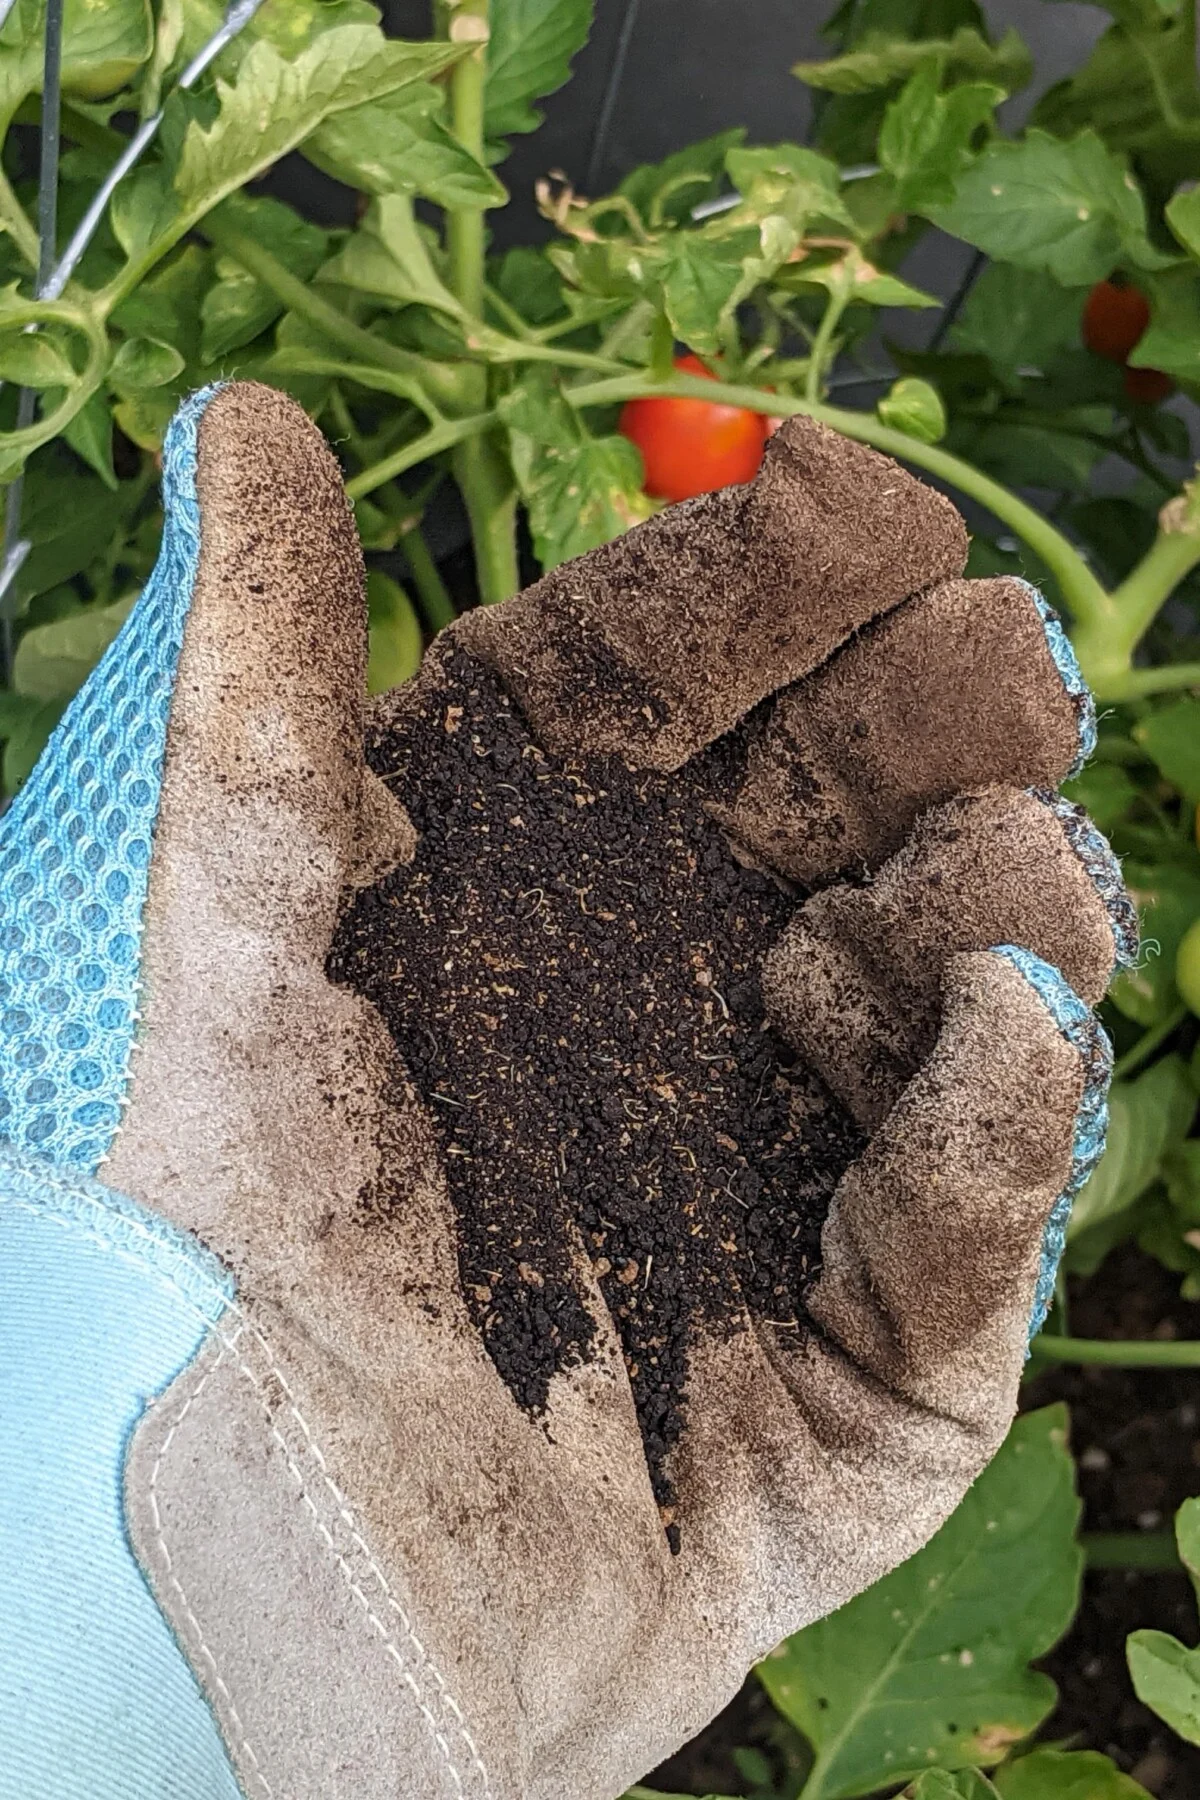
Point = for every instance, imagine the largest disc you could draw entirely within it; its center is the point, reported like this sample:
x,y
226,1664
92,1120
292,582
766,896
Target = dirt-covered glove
x,y
498,1234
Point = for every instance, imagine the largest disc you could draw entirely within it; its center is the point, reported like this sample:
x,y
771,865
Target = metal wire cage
x,y
55,268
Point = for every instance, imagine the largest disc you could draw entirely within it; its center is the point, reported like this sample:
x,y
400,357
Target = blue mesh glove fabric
x,y
75,851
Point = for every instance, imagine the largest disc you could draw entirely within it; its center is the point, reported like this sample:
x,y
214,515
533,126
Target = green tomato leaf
x,y
400,145
90,435
25,741
389,258
529,56
34,359
104,43
530,283
914,407
1137,88
1070,210
1171,341
1166,1678
1146,1117
944,1784
1105,791
580,490
925,138
1171,738
852,276
1066,1775
52,661
70,521
1183,216
1181,1172
699,278
664,193
289,29
879,60
1019,319
145,416
273,105
143,362
787,180
236,308
395,641
1029,455
931,1664
1187,1537
167,305
1167,897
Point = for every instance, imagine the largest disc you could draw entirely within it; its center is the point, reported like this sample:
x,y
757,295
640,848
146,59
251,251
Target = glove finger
x,y
969,683
656,644
263,779
856,981
941,1243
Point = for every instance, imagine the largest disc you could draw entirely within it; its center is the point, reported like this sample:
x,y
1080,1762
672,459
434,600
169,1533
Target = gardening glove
x,y
499,1233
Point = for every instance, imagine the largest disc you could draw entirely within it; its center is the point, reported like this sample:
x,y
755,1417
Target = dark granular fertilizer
x,y
569,968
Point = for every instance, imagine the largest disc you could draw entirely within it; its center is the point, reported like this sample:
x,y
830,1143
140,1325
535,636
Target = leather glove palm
x,y
612,1141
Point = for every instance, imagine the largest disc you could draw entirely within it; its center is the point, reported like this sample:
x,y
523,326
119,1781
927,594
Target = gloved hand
x,y
482,1312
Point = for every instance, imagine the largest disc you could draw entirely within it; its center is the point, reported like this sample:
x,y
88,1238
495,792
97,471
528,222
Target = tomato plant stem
x,y
1118,1353
441,437
1141,683
466,22
436,605
480,470
1171,556
1148,1043
820,355
302,299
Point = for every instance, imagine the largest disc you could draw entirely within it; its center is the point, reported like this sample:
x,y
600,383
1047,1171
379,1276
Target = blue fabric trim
x,y
1080,1026
1063,652
75,851
103,1305
1096,854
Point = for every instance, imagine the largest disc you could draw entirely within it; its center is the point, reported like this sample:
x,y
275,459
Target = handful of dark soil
x,y
570,970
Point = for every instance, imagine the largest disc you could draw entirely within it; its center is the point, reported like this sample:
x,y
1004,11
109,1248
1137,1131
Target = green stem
x,y
1130,1549
466,22
509,314
443,437
1117,1353
821,352
301,298
486,484
1082,593
1171,556
1140,684
1148,1043
481,471
436,604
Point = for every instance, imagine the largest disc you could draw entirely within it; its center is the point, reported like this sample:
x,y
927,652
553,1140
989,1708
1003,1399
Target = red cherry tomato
x,y
1114,318
1146,387
692,446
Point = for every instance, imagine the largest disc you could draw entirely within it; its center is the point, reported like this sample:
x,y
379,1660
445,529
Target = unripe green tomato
x,y
1187,967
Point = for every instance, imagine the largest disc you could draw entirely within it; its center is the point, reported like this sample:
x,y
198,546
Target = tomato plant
x,y
543,385
689,447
